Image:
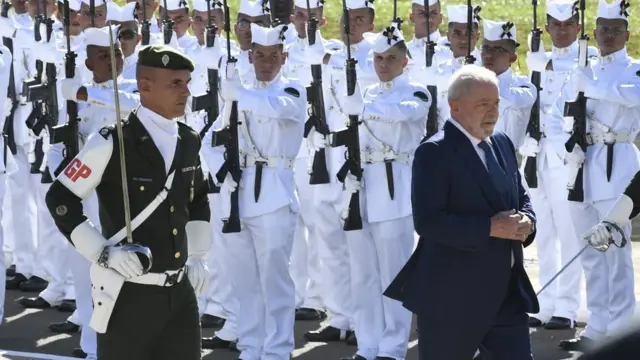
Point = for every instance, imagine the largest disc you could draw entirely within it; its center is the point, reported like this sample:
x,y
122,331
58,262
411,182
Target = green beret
x,y
164,57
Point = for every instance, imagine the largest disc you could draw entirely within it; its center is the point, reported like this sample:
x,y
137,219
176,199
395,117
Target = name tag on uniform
x,y
190,168
142,179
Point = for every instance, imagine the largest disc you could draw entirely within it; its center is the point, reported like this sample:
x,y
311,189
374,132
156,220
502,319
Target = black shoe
x,y
233,346
559,323
67,305
34,284
354,357
11,271
328,334
352,340
66,327
211,322
13,283
33,303
307,314
384,358
581,344
215,342
534,322
78,353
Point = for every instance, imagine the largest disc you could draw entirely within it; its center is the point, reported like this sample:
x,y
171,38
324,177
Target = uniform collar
x,y
506,76
617,56
104,85
434,36
398,80
133,58
145,115
257,84
564,52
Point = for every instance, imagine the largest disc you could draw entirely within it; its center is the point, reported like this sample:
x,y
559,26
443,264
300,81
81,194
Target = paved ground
x,y
25,335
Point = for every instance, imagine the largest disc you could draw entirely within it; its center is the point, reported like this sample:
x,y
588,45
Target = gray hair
x,y
462,80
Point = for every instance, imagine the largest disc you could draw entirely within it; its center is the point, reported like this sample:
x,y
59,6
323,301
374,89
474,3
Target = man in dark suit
x,y
466,279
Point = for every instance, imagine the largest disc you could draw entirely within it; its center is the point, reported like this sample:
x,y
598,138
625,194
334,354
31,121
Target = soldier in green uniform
x,y
143,307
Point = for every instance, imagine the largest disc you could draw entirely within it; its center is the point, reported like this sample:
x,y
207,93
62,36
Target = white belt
x,y
249,160
607,138
372,157
165,279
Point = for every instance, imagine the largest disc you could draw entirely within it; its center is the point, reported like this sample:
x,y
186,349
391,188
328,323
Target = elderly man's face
x,y
477,110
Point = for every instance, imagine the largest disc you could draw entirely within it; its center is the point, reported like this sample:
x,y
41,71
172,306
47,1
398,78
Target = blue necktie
x,y
496,172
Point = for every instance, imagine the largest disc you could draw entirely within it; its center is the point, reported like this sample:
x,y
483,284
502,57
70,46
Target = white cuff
x,y
621,210
199,236
88,241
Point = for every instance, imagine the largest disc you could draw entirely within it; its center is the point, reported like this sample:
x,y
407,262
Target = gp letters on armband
x,y
76,170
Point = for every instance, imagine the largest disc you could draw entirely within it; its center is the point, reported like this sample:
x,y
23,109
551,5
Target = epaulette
x,y
292,91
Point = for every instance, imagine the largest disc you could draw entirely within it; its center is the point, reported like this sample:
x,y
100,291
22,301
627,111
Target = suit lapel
x,y
501,159
145,145
471,160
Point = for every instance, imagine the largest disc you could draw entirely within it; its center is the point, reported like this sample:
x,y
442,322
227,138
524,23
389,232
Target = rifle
x,y
68,132
146,25
430,50
44,95
533,128
469,59
350,137
167,25
209,101
39,66
577,109
318,118
7,131
228,137
92,12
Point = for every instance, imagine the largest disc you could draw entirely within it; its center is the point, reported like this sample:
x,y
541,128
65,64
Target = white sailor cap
x,y
458,14
561,10
499,30
313,4
252,8
201,5
388,38
74,5
421,2
268,36
175,4
360,4
119,13
618,9
100,36
95,2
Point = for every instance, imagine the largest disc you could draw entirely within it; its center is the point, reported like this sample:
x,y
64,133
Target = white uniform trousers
x,y
610,277
305,260
52,252
3,265
334,257
219,294
75,318
21,224
378,252
264,287
557,243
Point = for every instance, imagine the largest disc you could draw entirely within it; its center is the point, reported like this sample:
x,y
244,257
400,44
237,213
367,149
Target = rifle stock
x,y
533,128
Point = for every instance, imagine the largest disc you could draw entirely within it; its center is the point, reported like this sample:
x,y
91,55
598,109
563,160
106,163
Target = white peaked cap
x,y
458,14
618,9
267,36
201,5
95,2
313,4
421,2
360,4
561,10
73,4
388,38
251,8
499,30
121,13
100,36
175,4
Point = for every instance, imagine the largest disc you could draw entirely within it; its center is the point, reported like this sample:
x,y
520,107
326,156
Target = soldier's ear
x,y
323,21
89,64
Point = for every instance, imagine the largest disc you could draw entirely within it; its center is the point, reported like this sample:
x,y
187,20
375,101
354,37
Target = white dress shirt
x,y
163,132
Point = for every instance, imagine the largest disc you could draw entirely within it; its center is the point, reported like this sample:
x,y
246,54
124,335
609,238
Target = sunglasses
x,y
127,35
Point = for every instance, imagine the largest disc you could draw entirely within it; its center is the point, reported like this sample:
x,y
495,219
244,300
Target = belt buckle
x,y
609,138
172,279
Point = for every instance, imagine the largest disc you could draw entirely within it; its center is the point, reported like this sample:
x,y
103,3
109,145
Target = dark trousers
x,y
153,323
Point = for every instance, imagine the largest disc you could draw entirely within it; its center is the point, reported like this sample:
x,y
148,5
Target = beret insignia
x,y
292,91
421,95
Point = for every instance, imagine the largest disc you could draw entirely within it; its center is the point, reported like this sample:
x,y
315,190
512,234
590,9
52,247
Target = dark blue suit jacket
x,y
458,276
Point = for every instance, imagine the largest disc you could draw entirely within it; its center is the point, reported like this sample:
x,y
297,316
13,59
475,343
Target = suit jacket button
x,y
177,255
175,231
172,209
141,188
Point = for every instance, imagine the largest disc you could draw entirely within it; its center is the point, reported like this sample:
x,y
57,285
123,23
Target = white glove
x,y
582,78
530,147
70,88
337,60
315,53
575,158
351,184
567,124
126,263
7,106
7,27
210,57
598,236
198,274
353,105
537,61
228,185
315,140
230,88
